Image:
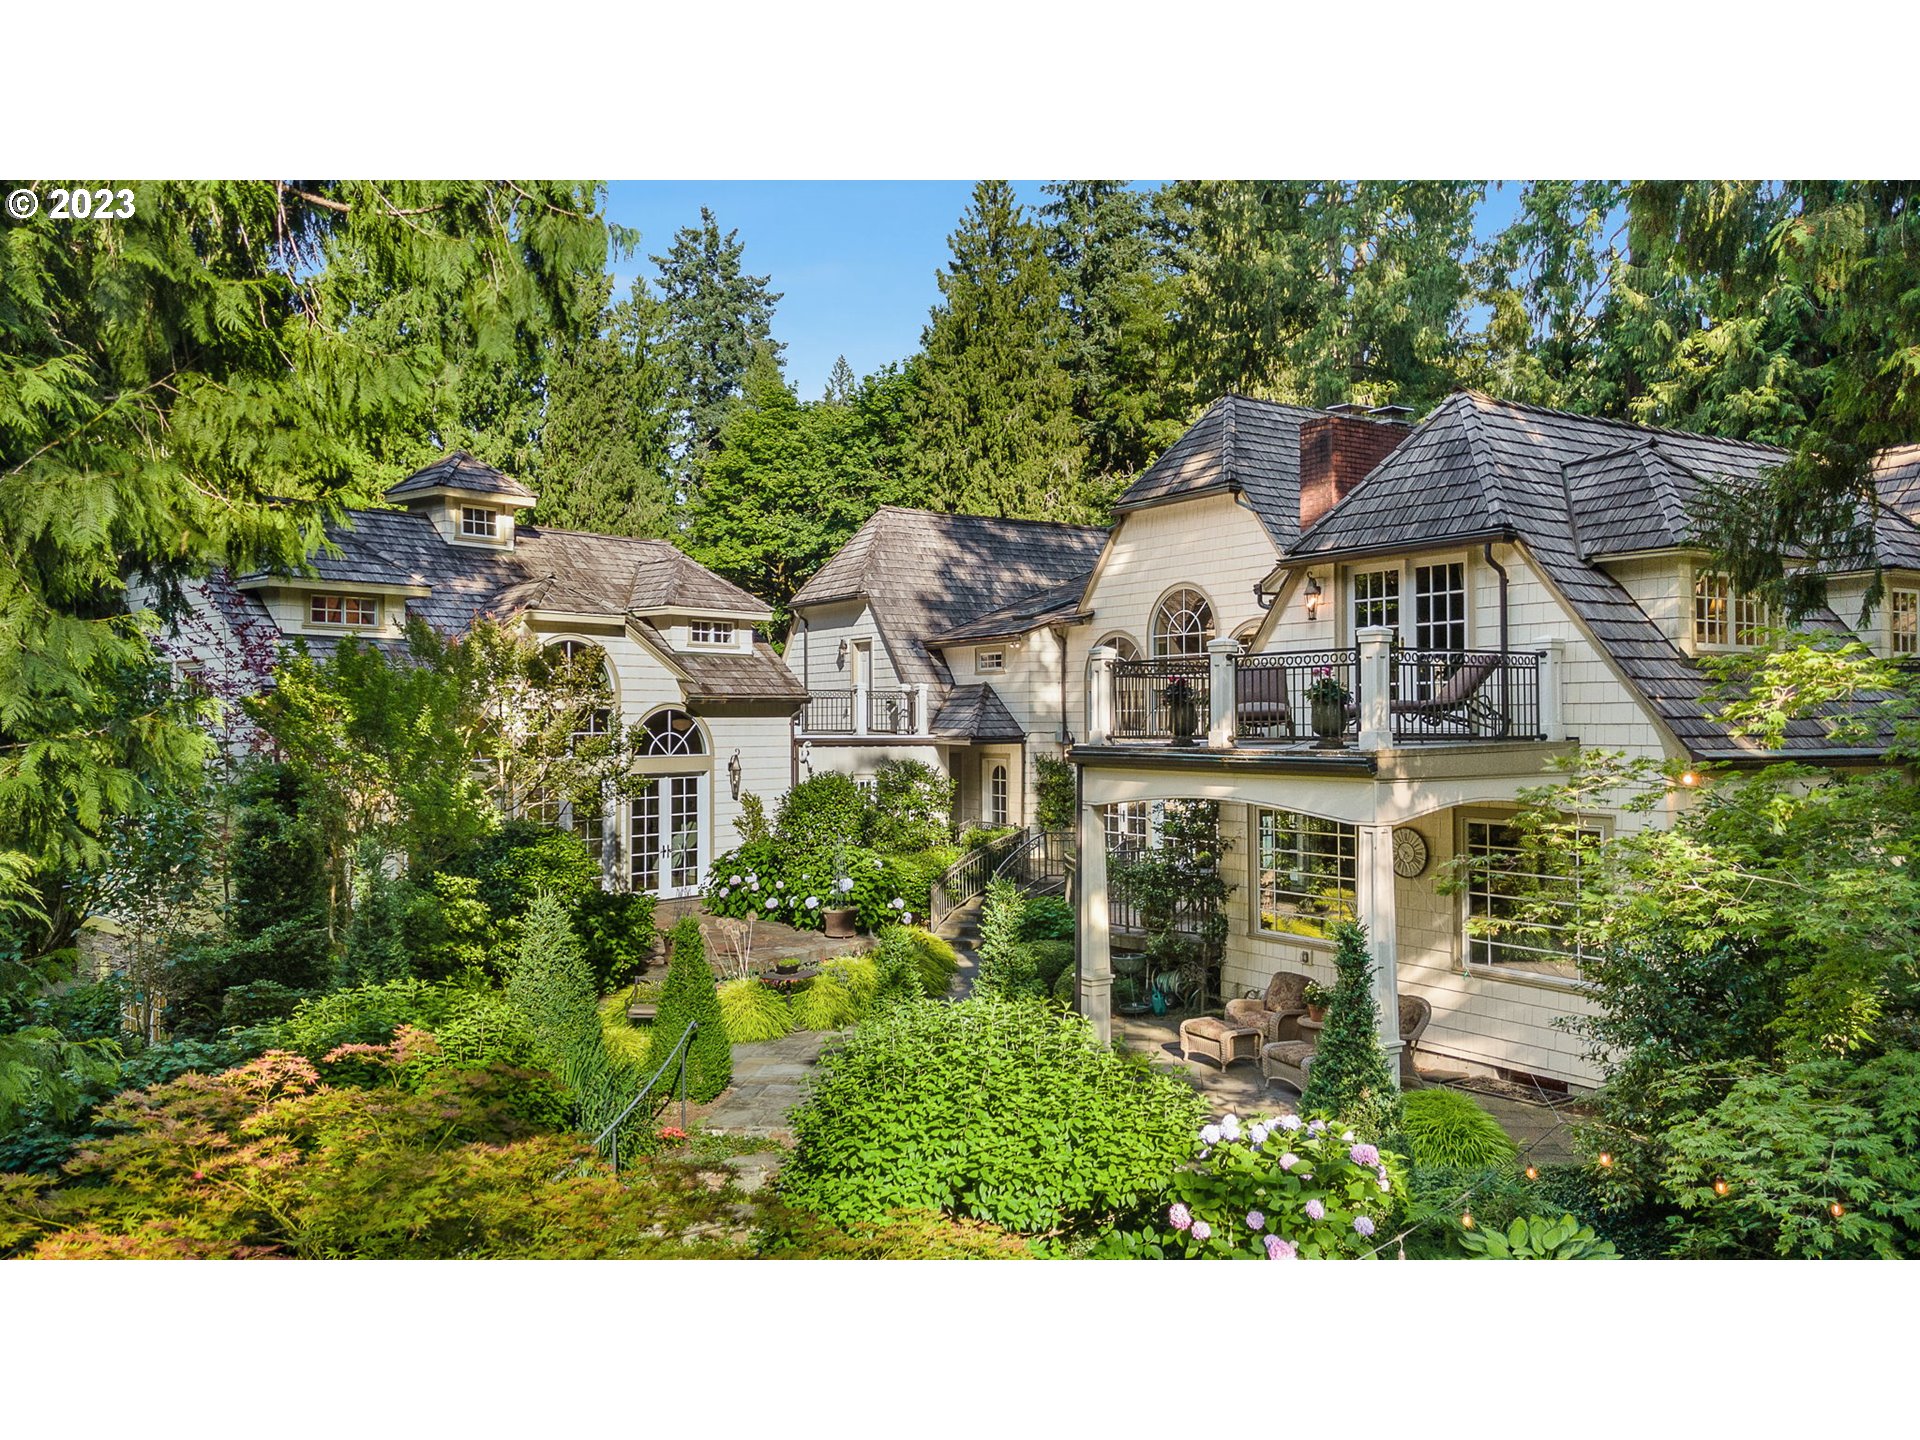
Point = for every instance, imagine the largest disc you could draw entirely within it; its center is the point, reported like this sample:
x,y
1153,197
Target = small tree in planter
x,y
1350,1077
1180,888
689,995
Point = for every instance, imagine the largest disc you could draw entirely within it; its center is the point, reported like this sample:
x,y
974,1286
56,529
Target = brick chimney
x,y
1339,449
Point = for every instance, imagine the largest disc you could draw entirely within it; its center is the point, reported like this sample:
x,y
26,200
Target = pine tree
x,y
688,997
715,315
606,436
1350,1078
842,387
993,427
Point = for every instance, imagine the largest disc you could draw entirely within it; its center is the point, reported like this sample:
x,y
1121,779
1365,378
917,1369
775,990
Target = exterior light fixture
x,y
733,774
1606,1160
841,657
1720,1186
1312,593
1466,1221
1689,779
1836,1209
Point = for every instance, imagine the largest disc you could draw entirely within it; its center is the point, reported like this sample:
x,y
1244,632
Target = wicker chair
x,y
1289,1060
1275,1013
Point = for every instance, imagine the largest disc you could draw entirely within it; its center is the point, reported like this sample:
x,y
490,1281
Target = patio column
x,y
1376,687
1095,954
1100,661
1373,874
1553,661
1222,707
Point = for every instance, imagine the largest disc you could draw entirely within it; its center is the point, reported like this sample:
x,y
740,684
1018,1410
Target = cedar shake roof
x,y
976,713
458,470
1058,604
718,675
1569,488
924,573
1238,444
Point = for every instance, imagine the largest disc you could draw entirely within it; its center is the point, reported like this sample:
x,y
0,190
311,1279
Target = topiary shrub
x,y
1350,1078
1014,1114
826,810
752,1012
1445,1127
687,997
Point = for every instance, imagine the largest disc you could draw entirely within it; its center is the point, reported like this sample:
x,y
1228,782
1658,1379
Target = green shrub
x,y
827,1002
910,806
1050,959
258,1003
1350,1079
1046,917
752,1012
897,963
936,958
689,996
1445,1127
912,875
1535,1237
904,1235
1006,967
627,1042
367,1015
820,812
1054,792
1008,1113
974,836
859,975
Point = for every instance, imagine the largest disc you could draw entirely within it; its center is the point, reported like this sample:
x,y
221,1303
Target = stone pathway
x,y
769,1079
1540,1130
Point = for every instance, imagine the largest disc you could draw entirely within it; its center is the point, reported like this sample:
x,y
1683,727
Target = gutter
x,y
1504,534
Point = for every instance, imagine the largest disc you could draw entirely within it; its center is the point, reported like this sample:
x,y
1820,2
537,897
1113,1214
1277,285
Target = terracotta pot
x,y
839,923
1316,1013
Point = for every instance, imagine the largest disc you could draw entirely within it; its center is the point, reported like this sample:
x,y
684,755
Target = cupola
x,y
468,501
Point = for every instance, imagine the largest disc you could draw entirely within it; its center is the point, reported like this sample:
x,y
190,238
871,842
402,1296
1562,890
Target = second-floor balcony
x,y
1374,695
867,710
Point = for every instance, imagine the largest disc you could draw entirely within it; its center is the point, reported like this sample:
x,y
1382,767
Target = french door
x,y
666,837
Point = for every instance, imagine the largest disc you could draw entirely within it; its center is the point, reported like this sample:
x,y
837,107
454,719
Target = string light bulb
x,y
1466,1220
1689,779
1533,1172
1606,1160
1836,1209
1720,1186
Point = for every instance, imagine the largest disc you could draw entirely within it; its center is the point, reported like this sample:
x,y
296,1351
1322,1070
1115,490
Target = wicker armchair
x,y
1289,1060
1274,1013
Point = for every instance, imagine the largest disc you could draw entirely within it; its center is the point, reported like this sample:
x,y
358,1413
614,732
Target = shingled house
x,y
1492,589
942,638
680,645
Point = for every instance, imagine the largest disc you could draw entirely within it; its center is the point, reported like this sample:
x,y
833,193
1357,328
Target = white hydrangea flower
x,y
734,881
1230,1128
773,902
846,884
813,902
1289,1122
896,903
1210,1134
1257,1135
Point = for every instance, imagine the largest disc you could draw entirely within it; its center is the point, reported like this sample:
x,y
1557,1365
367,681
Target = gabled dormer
x,y
469,502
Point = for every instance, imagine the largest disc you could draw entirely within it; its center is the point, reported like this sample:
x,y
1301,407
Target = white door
x,y
666,837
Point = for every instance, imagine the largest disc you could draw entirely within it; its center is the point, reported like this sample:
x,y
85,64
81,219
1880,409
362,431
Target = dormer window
x,y
988,662
711,632
1722,617
479,523
343,610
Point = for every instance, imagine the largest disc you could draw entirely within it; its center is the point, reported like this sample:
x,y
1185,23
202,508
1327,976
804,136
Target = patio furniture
x,y
1220,1041
1289,1060
1458,699
1275,1014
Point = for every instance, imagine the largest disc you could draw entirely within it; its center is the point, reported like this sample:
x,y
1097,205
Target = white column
x,y
1095,945
1553,670
922,716
860,709
1222,709
1374,876
1100,662
1376,687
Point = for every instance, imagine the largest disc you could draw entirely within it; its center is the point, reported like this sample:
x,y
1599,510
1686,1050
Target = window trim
x,y
1257,888
1760,616
1404,627
1894,598
1209,632
713,638
1599,825
980,665
491,533
316,602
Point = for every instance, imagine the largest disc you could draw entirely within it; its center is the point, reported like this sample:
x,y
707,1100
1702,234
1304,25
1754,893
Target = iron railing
x,y
610,1137
890,712
1466,695
968,876
1124,915
1160,699
828,712
1294,696
1040,861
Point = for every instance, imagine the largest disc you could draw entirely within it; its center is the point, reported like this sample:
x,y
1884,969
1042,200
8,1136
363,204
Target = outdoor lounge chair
x,y
1274,1013
1289,1060
1459,700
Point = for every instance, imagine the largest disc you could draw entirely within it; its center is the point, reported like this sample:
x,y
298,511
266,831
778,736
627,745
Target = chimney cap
x,y
1347,407
1397,413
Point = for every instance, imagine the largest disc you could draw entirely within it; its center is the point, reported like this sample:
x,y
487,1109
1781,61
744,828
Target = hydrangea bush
x,y
1278,1189
798,888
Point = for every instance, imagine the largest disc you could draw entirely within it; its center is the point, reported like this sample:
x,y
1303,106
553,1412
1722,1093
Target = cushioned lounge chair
x,y
1289,1060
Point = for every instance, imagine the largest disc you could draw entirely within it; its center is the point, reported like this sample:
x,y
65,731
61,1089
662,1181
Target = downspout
x,y
1060,636
1506,673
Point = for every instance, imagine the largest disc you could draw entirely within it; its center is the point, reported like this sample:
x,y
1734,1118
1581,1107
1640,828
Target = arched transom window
x,y
673,732
1183,624
1123,643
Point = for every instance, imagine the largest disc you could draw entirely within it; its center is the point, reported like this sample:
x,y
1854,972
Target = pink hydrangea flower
x,y
1202,1230
1289,1160
1179,1216
1315,1210
1365,1155
1255,1220
1363,1227
1278,1249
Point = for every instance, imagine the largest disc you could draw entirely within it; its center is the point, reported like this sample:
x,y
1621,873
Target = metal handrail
x,y
1021,855
966,878
679,1052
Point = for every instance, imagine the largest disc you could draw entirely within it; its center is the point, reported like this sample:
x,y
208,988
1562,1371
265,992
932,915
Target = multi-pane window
x,y
1723,616
673,732
1376,598
343,610
1530,894
1306,873
1440,606
479,523
989,661
589,687
1904,609
997,796
1183,624
1129,826
712,632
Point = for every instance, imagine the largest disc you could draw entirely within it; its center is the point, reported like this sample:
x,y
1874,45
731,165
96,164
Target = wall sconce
x,y
733,774
1312,594
840,658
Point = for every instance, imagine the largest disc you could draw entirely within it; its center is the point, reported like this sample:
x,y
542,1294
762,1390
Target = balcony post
x,y
1553,669
1092,923
1223,707
922,718
859,709
1100,662
1376,687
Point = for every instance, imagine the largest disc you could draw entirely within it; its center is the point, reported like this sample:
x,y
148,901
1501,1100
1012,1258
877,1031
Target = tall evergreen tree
x,y
606,436
716,314
994,429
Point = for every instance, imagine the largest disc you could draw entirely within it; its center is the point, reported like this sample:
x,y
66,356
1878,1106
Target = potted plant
x,y
789,966
839,916
1317,996
1183,716
1328,699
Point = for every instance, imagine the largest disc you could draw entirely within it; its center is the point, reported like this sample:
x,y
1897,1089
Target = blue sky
x,y
855,261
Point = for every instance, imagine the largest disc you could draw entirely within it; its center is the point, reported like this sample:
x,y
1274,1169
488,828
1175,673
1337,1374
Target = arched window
x,y
585,677
1124,644
1246,633
673,732
1182,625
997,793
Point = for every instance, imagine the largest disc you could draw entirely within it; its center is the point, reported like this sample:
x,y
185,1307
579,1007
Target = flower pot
x,y
839,923
788,967
1183,718
1316,1013
1329,722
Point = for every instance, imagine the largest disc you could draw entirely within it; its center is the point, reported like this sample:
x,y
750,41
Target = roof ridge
x,y
1226,448
1614,422
971,515
1678,520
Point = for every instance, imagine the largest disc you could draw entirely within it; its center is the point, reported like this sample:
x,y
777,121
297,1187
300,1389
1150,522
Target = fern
x,y
752,1012
1447,1128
